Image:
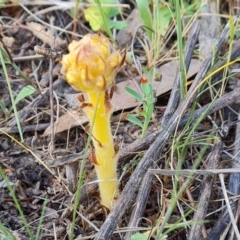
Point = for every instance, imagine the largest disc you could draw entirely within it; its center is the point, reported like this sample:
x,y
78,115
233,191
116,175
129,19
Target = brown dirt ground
x,y
31,181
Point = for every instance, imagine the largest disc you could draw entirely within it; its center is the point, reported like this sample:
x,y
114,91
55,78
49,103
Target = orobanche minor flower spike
x,y
91,66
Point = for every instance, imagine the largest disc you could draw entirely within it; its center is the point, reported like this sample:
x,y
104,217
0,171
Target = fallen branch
x,y
155,150
171,108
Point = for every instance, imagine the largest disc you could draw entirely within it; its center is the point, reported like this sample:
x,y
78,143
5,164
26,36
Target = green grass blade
x,y
80,182
3,61
7,234
183,81
104,17
12,194
3,107
41,219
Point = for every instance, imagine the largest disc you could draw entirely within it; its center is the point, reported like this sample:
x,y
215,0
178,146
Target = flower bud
x,y
91,64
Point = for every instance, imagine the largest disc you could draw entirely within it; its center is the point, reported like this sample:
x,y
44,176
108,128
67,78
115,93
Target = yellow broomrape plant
x,y
91,66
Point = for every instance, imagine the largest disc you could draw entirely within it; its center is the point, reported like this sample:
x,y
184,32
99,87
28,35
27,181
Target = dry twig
x,y
205,193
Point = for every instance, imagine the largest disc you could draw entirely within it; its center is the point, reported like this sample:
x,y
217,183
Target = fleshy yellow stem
x,y
91,66
99,113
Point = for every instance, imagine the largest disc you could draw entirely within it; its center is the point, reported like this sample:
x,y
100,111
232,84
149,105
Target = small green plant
x,y
147,99
14,197
100,17
5,233
156,18
5,59
24,92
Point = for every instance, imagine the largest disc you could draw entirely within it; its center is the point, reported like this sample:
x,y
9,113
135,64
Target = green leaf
x,y
134,93
139,236
134,120
95,15
147,89
112,12
25,92
116,24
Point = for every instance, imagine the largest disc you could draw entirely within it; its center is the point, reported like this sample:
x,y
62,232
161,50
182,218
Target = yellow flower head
x,y
91,64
